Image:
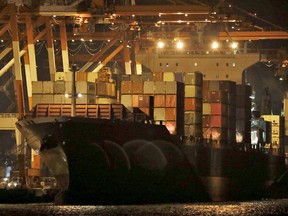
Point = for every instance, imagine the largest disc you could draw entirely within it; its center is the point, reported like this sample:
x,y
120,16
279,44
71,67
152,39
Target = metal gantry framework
x,y
118,27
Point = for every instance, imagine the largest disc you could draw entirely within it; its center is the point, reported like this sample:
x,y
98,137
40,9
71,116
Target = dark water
x,y
266,207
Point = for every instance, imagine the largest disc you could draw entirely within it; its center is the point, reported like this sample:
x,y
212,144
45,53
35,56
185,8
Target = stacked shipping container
x,y
162,100
243,110
193,104
219,111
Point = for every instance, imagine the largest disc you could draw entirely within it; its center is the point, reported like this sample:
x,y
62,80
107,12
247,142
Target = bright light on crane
x,y
160,44
215,45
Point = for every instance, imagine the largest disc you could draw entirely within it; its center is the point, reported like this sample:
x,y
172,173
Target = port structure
x,y
122,29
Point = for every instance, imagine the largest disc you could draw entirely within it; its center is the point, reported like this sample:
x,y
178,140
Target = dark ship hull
x,y
119,162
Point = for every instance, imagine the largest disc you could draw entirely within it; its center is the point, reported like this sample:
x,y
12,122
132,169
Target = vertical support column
x,y
17,62
30,60
127,60
50,47
31,49
27,67
138,65
64,47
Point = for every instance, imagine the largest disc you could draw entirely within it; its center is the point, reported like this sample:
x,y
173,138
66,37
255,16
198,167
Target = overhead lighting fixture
x,y
215,45
234,45
179,44
160,44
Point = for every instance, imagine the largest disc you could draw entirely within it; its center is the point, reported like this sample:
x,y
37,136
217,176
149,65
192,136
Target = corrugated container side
x,y
101,89
149,87
59,87
218,109
192,117
218,121
160,87
157,76
48,87
134,77
193,104
170,100
170,114
193,78
126,100
92,76
159,100
137,87
81,76
179,77
193,91
206,109
147,76
168,76
37,87
159,114
126,87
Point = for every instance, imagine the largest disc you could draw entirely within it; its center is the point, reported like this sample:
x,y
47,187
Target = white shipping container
x,y
149,87
48,87
126,100
159,114
193,91
171,87
103,100
85,87
206,109
37,87
59,87
86,99
92,76
160,87
168,76
60,99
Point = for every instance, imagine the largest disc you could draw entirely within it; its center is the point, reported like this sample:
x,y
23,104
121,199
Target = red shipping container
x,y
218,96
170,101
170,114
218,121
218,109
137,87
206,120
192,104
159,100
126,87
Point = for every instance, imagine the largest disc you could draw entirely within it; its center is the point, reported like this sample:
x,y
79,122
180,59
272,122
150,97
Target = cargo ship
x,y
120,154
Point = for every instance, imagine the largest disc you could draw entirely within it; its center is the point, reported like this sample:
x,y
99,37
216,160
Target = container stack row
x,y
60,92
243,114
219,111
161,100
277,130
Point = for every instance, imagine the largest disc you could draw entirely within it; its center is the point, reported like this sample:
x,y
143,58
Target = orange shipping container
x,y
81,76
137,87
218,109
159,100
126,87
170,114
193,104
171,101
36,162
218,121
157,76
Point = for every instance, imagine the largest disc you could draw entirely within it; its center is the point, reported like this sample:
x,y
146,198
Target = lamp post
x,y
74,95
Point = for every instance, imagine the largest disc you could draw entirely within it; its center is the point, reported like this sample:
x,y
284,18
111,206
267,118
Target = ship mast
x,y
74,94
